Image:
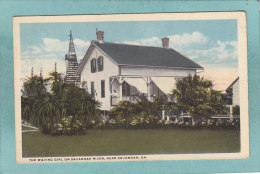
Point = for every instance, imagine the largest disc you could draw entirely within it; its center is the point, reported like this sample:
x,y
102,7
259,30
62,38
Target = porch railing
x,y
115,100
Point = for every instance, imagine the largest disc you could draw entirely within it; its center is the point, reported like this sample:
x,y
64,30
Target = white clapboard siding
x,y
235,97
110,69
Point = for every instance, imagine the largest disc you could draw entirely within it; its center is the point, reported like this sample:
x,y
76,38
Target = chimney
x,y
165,42
100,36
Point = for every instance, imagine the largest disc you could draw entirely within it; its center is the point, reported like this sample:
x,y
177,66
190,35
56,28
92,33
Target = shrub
x,y
69,127
236,110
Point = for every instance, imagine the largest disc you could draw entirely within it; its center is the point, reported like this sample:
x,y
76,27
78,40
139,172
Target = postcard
x,y
131,87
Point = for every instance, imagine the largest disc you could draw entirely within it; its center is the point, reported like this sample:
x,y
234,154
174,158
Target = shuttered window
x,y
92,89
93,65
102,88
100,63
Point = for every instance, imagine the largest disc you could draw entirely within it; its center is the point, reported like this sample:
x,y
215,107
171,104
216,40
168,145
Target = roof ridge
x,y
119,43
179,59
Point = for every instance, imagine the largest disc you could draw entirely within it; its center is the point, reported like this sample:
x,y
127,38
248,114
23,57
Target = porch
x,y
131,88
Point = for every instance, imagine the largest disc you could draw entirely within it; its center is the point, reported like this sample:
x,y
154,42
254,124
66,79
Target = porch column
x,y
231,112
120,80
149,88
163,115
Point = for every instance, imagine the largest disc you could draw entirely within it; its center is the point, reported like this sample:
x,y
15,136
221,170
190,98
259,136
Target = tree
x,y
35,85
195,95
80,105
46,109
35,88
57,83
50,110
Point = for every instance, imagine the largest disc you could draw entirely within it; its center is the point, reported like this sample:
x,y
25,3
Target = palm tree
x,y
57,83
195,95
35,85
28,111
46,109
50,110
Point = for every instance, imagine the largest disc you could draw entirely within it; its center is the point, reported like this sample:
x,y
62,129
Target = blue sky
x,y
211,43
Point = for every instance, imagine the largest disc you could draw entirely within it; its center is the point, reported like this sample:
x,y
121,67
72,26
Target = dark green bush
x,y
236,110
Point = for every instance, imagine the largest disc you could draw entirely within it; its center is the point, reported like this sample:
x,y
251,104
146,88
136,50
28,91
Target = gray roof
x,y
124,54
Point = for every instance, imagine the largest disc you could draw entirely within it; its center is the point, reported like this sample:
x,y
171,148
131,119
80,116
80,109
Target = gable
x,y
85,59
94,53
88,54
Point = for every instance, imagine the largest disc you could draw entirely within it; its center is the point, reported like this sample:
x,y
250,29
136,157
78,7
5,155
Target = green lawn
x,y
131,141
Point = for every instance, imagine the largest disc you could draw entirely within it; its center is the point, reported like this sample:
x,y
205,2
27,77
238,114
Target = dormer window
x,y
93,65
100,64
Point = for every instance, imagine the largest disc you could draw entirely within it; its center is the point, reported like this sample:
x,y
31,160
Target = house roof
x,y
231,85
124,54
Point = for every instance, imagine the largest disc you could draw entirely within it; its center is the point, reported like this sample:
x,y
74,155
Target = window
x,y
93,65
92,89
102,88
126,89
100,63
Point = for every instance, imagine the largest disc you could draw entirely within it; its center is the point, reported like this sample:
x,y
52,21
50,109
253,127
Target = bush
x,y
236,110
69,127
125,112
47,110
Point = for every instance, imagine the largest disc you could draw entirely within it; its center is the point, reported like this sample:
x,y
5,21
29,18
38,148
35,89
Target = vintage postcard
x,y
131,87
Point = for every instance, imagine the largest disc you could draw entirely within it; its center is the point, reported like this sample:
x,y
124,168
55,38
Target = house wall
x,y
155,71
235,97
110,69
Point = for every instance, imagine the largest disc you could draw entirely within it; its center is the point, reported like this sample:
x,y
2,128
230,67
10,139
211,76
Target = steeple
x,y
72,53
71,63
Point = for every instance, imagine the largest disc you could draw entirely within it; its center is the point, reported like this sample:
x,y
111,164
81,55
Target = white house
x,y
112,71
233,92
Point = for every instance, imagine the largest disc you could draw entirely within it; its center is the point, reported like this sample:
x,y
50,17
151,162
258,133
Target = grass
x,y
131,141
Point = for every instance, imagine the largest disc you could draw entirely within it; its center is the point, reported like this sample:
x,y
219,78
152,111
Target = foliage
x,y
68,127
35,85
236,110
46,110
57,85
143,109
195,95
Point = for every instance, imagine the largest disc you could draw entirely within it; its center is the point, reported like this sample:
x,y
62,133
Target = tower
x,y
71,63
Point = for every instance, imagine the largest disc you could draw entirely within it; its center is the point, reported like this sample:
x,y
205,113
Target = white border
x,y
243,81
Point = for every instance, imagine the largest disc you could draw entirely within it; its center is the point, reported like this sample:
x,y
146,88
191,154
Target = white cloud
x,y
219,52
81,43
154,41
186,40
49,51
35,50
54,45
175,41
47,66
